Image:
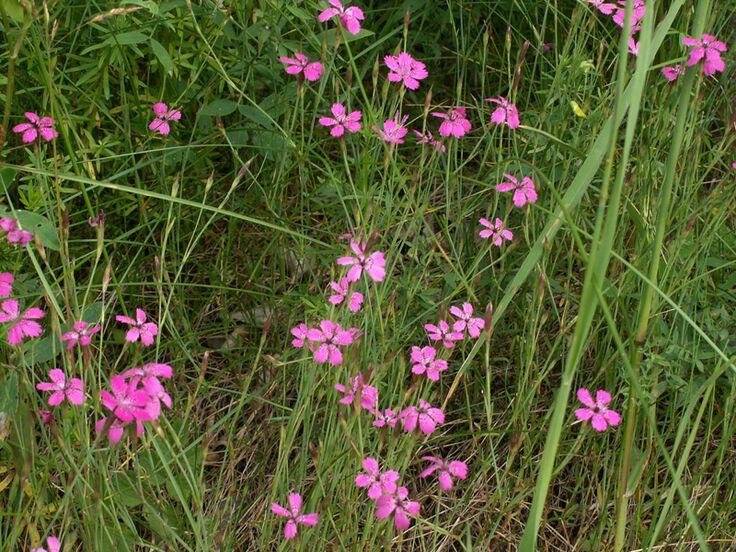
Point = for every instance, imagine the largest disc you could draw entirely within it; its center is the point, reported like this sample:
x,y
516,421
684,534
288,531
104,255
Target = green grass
x,y
620,277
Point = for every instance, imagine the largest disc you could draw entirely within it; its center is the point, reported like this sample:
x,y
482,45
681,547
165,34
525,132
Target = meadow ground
x,y
226,231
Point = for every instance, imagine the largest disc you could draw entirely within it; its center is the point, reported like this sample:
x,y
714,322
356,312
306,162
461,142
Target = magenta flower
x,y
6,284
47,417
341,291
15,235
300,333
393,131
357,388
597,410
708,50
505,114
22,326
147,378
140,329
376,481
60,388
116,429
52,545
454,122
447,470
444,333
327,341
294,515
341,121
398,504
427,139
80,334
496,231
35,127
606,8
426,416
638,13
350,17
373,264
633,47
524,192
406,70
150,370
672,72
127,401
424,361
160,123
312,70
466,322
386,418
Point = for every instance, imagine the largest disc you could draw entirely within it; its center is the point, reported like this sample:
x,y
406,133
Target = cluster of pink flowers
x,y
20,325
706,50
617,11
13,233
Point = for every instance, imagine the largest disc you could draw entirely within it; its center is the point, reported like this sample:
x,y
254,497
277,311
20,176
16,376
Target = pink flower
x,y
115,430
672,72
633,47
425,361
377,482
47,417
35,127
15,235
387,418
160,123
52,545
300,333
150,370
405,69
341,290
140,329
496,231
707,49
327,340
638,12
466,322
72,390
312,70
505,114
80,334
524,192
350,17
127,401
454,123
604,7
426,416
22,326
393,131
6,284
447,470
341,121
366,394
294,515
443,332
147,378
398,504
373,264
428,139
597,410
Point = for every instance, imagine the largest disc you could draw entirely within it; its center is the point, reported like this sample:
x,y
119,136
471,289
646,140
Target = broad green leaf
x,y
162,56
218,108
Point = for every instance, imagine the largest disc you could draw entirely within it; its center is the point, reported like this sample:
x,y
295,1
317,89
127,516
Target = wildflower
x,y
406,70
454,123
80,334
312,70
393,131
505,114
637,14
15,235
387,418
115,429
61,388
425,361
633,47
606,8
447,470
366,394
350,17
328,339
35,127
376,481
524,192
496,231
147,378
341,121
428,139
127,401
398,504
442,332
466,322
160,123
426,416
150,370
672,72
341,291
140,329
52,545
6,284
300,335
597,410
294,515
23,326
708,50
373,264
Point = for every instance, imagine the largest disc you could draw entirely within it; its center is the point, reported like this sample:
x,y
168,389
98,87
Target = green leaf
x,y
38,224
162,56
218,108
14,10
124,39
7,175
9,394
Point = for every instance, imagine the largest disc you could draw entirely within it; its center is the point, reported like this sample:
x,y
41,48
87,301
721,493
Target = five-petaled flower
x,y
22,326
465,321
341,121
707,49
597,411
505,114
80,334
398,504
374,480
454,122
425,416
374,264
393,131
496,231
385,418
327,341
357,389
300,64
62,388
294,515
443,332
524,192
406,70
160,123
300,335
341,291
350,17
424,361
672,72
36,127
139,328
446,471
